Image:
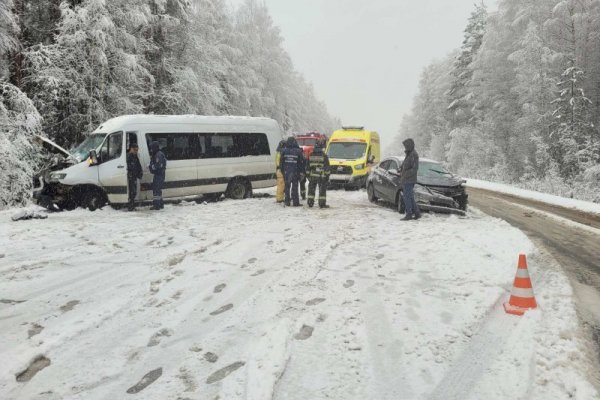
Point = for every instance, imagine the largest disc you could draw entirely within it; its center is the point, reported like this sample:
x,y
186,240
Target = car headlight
x,y
55,177
359,167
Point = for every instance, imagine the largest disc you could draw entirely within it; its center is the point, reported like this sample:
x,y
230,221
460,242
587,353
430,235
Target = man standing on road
x,y
408,179
280,181
158,167
134,172
317,169
292,165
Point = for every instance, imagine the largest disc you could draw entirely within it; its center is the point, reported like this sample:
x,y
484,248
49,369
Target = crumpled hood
x,y
52,147
442,180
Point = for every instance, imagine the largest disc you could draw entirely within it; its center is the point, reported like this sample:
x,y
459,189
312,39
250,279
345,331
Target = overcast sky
x,y
365,57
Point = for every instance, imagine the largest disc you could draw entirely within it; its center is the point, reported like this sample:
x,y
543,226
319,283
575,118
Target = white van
x,y
207,156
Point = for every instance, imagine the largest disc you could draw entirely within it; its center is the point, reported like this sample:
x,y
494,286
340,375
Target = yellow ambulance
x,y
352,152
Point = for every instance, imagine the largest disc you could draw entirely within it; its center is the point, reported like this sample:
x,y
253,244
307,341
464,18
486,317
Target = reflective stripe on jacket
x,y
318,165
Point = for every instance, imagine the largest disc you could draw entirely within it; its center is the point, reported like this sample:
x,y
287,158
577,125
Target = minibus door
x,y
112,171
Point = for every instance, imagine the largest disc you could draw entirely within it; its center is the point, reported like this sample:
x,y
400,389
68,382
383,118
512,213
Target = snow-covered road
x,y
249,300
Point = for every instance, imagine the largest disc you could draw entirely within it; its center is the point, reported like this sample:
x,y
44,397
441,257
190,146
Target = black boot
x,y
407,218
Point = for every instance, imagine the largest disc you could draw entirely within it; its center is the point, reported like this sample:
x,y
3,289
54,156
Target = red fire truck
x,y
308,140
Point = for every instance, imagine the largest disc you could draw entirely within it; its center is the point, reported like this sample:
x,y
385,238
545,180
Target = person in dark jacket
x,y
158,167
317,170
280,179
408,179
134,172
292,166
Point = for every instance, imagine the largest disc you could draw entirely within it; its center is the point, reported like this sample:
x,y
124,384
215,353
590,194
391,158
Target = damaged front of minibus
x,y
52,188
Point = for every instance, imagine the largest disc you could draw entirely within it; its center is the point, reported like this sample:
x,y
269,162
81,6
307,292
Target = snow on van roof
x,y
118,122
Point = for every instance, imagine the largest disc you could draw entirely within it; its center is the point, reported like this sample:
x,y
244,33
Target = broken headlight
x,y
56,176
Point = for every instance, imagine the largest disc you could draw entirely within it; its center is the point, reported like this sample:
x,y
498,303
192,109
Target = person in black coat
x,y
318,170
134,172
408,179
292,166
158,167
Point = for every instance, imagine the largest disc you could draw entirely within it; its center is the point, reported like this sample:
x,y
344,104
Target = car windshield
x,y
91,142
431,169
346,151
306,142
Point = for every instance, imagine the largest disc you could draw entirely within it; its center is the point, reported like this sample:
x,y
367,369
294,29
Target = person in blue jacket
x,y
158,166
292,165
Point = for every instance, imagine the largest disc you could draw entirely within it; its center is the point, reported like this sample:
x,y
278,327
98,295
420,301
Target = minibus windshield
x,y
347,150
91,142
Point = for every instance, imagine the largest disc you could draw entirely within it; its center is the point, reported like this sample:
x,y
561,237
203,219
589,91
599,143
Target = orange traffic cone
x,y
521,295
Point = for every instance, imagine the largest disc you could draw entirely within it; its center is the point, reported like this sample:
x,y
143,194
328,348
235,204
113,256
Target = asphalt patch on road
x,y
69,306
36,366
146,381
224,372
157,337
316,301
304,333
219,288
12,302
211,357
35,329
222,309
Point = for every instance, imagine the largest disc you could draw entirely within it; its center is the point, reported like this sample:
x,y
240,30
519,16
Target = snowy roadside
x,y
248,300
585,206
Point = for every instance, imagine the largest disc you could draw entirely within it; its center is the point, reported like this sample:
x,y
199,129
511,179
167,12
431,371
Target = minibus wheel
x,y
94,200
238,189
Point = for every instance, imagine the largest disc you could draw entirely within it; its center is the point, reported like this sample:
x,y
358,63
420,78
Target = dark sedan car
x,y
437,189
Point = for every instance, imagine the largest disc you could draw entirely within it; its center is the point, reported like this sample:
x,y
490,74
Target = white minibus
x,y
207,157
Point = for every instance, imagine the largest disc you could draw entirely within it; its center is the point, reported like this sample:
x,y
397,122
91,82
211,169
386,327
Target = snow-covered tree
x,y
19,121
460,93
530,92
8,32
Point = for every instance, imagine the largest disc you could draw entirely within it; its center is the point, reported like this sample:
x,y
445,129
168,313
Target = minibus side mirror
x,y
93,160
371,159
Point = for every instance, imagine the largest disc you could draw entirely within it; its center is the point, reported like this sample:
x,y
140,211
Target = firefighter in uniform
x,y
280,181
317,169
292,165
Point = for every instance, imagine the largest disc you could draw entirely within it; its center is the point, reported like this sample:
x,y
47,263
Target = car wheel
x,y
400,203
371,193
237,189
94,200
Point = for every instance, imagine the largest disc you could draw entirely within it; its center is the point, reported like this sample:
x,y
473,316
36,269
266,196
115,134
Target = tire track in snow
x,y
480,353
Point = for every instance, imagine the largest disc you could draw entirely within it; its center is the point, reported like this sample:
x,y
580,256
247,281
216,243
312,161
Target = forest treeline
x,y
519,102
68,65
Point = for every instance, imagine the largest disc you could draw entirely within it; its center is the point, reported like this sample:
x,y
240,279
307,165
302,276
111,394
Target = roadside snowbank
x,y
585,206
249,300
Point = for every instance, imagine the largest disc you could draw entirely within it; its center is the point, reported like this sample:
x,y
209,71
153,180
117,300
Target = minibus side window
x,y
252,144
232,145
131,139
176,146
112,147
